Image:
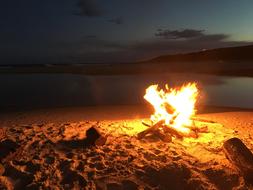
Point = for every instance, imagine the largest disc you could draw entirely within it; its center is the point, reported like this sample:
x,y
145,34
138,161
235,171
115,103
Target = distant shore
x,y
212,68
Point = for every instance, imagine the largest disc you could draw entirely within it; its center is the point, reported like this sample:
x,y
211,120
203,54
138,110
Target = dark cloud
x,y
186,40
179,34
88,8
118,20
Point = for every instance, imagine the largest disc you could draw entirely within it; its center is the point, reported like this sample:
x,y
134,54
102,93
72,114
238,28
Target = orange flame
x,y
174,106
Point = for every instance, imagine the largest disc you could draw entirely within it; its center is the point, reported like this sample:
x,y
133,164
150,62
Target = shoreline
x,y
207,68
96,113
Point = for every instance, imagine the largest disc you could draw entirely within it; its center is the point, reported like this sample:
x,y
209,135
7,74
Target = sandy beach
x,y
45,149
126,95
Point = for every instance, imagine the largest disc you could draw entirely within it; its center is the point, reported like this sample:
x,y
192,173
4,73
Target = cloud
x,y
118,20
88,8
179,34
214,37
185,40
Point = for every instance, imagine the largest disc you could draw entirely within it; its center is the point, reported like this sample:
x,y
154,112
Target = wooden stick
x,y
202,120
192,134
143,123
200,129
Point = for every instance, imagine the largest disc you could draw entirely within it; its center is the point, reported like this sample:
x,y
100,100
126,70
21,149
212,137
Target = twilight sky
x,y
73,31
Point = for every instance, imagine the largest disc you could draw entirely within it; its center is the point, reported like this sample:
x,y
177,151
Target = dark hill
x,y
232,61
242,53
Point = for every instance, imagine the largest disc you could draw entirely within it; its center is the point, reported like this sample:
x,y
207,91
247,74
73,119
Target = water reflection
x,y
235,92
48,90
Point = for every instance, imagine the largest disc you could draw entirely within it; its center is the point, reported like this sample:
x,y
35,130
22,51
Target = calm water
x,y
46,90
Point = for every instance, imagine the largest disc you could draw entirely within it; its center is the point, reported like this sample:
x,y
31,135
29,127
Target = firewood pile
x,y
166,132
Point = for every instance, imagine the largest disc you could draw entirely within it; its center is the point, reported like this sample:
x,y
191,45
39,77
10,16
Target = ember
x,y
173,110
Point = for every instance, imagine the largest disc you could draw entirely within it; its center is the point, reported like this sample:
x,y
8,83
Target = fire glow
x,y
173,106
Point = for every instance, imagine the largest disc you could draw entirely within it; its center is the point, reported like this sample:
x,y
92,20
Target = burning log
x,y
169,131
155,129
240,156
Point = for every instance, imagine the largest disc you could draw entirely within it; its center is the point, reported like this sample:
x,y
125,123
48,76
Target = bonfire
x,y
174,111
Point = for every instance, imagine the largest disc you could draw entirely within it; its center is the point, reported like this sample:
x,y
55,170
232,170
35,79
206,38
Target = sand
x,y
44,149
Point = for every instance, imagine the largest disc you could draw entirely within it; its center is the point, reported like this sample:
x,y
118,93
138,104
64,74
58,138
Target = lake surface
x,y
49,90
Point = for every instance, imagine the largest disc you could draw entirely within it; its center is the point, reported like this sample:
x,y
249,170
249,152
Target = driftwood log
x,y
240,156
